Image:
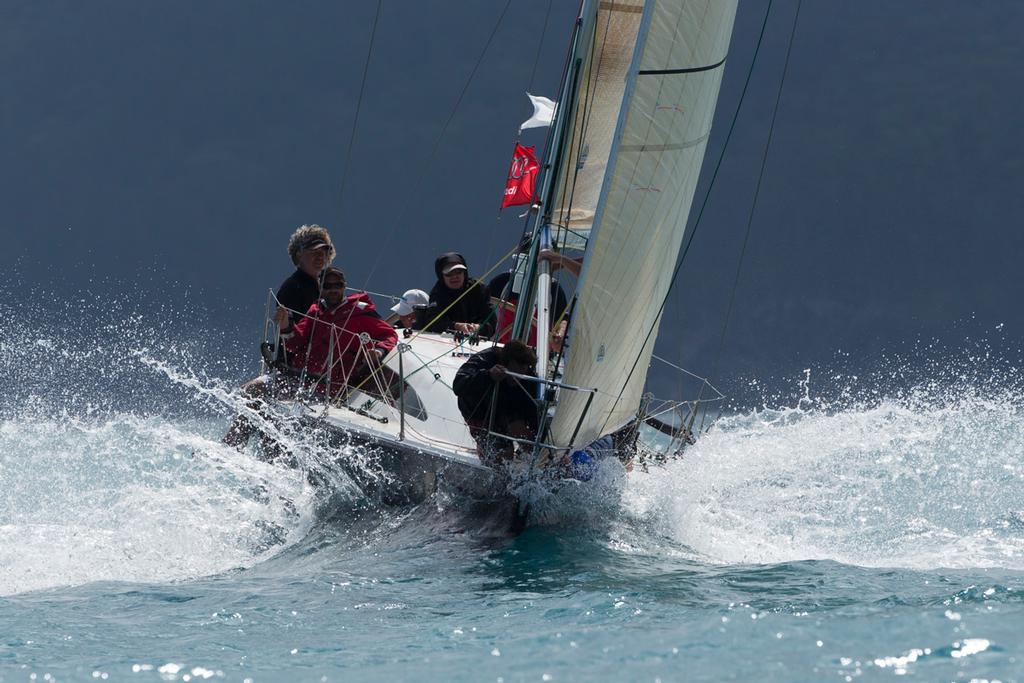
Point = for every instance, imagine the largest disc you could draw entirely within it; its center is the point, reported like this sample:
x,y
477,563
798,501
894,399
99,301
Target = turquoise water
x,y
848,541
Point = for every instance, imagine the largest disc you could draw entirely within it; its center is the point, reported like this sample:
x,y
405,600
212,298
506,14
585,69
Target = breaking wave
x,y
925,477
129,498
112,469
111,462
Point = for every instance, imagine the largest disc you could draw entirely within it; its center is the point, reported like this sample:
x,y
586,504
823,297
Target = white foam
x,y
135,499
911,483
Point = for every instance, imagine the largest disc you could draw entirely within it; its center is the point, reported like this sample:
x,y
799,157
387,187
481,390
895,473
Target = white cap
x,y
409,301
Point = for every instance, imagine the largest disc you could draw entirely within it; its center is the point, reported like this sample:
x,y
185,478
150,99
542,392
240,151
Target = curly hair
x,y
305,235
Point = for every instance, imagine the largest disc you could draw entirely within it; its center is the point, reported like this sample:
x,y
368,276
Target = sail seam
x,y
688,70
620,7
663,148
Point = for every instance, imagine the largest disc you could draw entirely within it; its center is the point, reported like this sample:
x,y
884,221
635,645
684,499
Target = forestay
x,y
668,94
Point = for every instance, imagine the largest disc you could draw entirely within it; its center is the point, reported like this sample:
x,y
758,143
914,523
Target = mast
x,y
553,162
585,119
543,303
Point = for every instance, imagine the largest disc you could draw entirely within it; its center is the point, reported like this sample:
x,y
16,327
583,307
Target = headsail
x,y
604,73
664,103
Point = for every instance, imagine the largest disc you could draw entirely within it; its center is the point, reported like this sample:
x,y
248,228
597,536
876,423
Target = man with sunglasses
x,y
341,340
346,360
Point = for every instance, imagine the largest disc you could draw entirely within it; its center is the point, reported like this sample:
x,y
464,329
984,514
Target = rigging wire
x,y
578,128
593,76
757,192
684,371
355,126
533,74
704,203
359,106
553,145
540,43
437,143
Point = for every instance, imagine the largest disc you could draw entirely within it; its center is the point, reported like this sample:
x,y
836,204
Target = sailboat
x,y
624,154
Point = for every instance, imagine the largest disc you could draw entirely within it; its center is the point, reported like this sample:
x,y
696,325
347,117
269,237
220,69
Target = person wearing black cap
x,y
311,251
457,301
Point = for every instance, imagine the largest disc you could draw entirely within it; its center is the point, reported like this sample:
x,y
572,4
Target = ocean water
x,y
873,536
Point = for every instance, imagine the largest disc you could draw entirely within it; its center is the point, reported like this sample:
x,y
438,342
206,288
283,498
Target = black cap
x,y
315,243
446,261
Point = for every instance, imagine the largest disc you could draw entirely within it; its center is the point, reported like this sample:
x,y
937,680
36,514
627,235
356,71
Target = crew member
x,y
457,301
483,381
328,342
310,250
500,288
407,307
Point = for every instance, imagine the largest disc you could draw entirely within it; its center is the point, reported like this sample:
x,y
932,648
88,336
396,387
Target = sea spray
x,y
121,497
111,462
133,544
930,476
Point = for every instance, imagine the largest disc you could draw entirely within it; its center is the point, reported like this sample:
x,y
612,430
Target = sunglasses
x,y
334,285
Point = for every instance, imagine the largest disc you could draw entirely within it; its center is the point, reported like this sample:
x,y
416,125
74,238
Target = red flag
x,y
522,177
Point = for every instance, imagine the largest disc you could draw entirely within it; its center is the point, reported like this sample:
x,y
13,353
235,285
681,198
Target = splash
x,y
112,468
111,462
132,498
929,477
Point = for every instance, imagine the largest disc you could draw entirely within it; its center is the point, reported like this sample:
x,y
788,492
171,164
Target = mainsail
x,y
646,100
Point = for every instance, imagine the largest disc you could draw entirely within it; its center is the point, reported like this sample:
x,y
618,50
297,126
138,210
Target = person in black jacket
x,y
515,411
311,251
457,301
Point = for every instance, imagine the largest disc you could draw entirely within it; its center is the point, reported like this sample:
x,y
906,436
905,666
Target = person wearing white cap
x,y
407,307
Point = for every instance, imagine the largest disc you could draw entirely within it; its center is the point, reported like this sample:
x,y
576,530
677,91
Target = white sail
x,y
668,96
607,54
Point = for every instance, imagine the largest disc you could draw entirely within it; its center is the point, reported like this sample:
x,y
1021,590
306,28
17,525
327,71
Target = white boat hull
x,y
409,458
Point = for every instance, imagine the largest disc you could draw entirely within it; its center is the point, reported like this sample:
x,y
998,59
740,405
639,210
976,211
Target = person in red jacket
x,y
329,340
350,360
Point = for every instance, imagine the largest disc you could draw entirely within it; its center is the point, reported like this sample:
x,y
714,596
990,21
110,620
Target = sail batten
x,y
681,70
635,217
663,148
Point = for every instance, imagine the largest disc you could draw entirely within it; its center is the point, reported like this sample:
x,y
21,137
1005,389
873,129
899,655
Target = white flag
x,y
543,113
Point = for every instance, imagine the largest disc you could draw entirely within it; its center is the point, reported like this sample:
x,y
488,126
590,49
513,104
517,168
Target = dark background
x,y
164,151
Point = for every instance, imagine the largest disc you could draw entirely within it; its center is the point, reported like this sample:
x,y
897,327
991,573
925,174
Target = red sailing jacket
x,y
506,318
347,321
